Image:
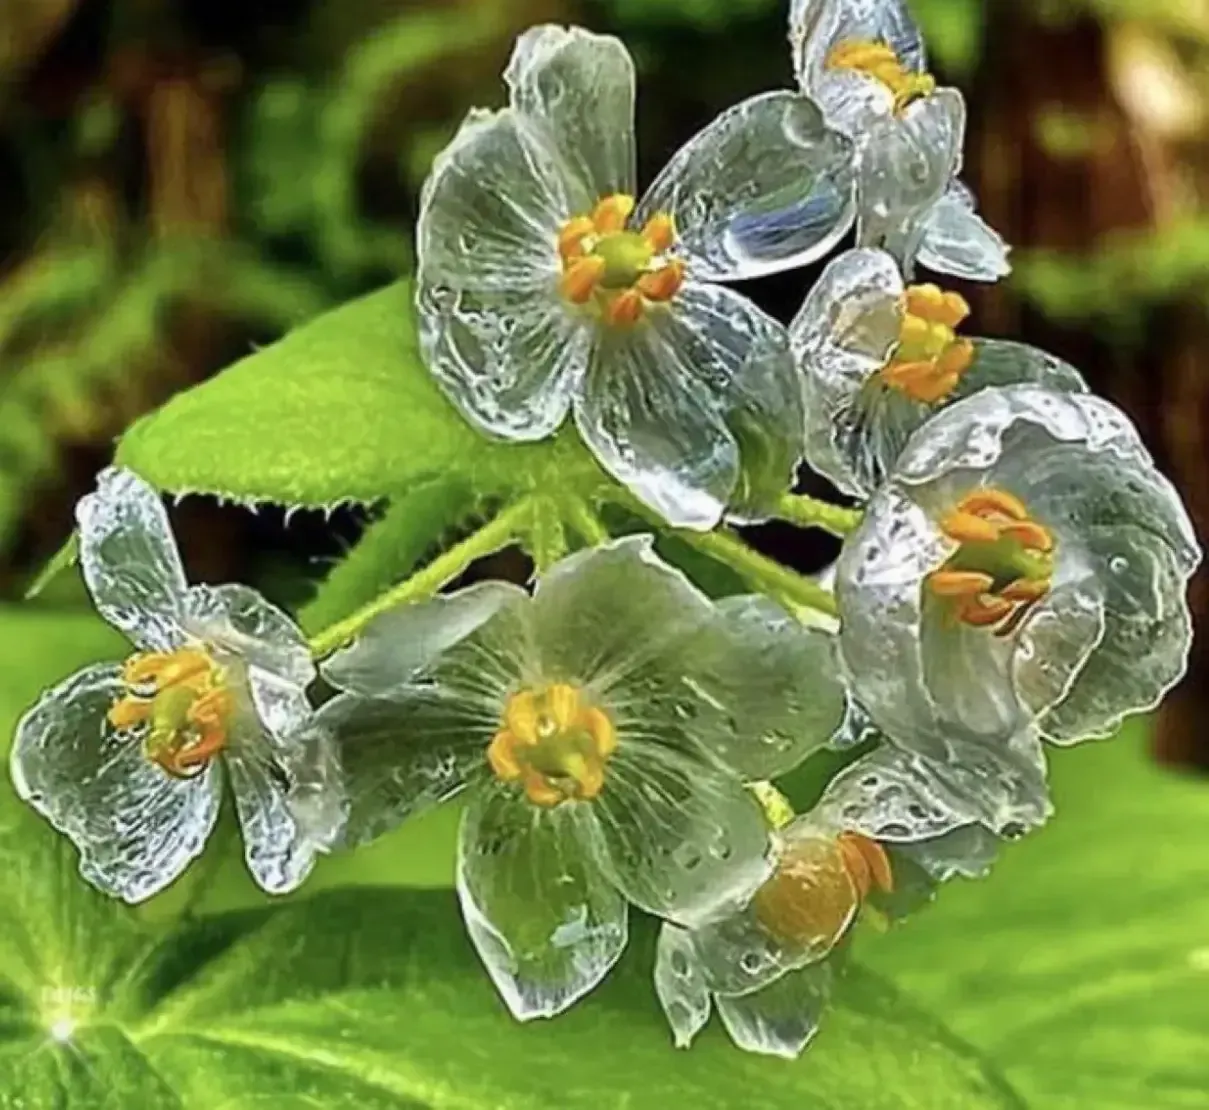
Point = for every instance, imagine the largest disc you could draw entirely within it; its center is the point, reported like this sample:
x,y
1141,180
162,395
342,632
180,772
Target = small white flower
x,y
881,839
1024,567
127,760
544,288
863,62
880,357
601,730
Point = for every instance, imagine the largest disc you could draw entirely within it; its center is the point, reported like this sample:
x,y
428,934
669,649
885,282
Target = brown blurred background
x,y
183,179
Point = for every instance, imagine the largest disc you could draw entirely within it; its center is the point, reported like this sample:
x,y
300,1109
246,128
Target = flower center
x,y
182,698
818,885
617,270
929,359
554,744
1003,563
877,60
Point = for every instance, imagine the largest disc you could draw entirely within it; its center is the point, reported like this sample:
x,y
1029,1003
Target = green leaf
x,y
1081,967
341,409
370,999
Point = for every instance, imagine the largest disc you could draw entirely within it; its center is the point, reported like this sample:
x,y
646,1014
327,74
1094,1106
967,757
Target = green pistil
x,y
1006,560
626,256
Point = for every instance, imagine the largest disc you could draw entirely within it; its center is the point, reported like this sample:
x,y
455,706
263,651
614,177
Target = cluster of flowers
x,y
1017,575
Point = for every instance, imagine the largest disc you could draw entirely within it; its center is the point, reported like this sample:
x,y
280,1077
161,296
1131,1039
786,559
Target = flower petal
x,y
580,87
493,330
680,984
238,622
136,827
391,654
816,26
682,838
905,169
290,800
782,1018
766,690
661,398
765,187
956,240
403,755
130,560
542,915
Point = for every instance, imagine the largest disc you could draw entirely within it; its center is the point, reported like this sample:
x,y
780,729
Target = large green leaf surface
x,y
368,998
340,409
1081,967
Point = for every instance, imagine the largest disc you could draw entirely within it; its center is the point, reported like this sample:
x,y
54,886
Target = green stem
x,y
761,572
510,525
810,512
583,519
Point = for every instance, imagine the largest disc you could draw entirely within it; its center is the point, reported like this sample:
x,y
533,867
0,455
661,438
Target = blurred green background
x,y
182,180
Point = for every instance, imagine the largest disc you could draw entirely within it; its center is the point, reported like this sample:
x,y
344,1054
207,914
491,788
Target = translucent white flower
x,y
863,62
881,838
880,357
127,759
1023,568
544,288
602,730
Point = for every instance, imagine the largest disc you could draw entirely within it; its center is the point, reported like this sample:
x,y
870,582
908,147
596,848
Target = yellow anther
x,y
612,212
660,232
1003,564
778,810
580,279
554,744
930,302
929,359
662,284
182,701
878,60
571,238
867,863
624,309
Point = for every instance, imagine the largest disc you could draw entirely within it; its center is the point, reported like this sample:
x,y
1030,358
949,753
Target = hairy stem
x,y
810,512
585,523
510,525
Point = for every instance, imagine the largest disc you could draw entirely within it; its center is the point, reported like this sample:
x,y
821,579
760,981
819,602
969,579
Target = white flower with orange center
x,y
863,62
545,287
128,759
1021,573
602,730
882,837
881,356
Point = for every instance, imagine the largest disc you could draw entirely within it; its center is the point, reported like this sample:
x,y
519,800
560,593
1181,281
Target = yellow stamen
x,y
554,744
614,271
879,61
867,863
1003,563
929,359
182,700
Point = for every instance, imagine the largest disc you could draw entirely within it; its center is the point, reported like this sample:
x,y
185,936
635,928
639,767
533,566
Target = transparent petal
x,y
492,207
682,837
510,359
968,851
905,169
580,87
841,337
603,615
782,1018
766,690
660,397
680,984
817,26
999,362
403,755
130,560
396,647
545,920
290,800
956,240
136,827
765,187
1147,634
737,949
241,626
